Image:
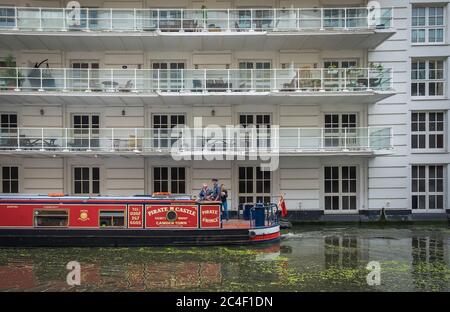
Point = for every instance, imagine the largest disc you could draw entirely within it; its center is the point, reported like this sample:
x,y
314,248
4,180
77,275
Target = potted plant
x,y
9,74
332,69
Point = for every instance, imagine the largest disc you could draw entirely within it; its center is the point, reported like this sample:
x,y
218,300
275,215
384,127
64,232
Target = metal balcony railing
x,y
192,20
197,80
187,140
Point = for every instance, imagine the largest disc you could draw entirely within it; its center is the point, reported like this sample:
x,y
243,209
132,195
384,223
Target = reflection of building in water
x,y
342,251
429,263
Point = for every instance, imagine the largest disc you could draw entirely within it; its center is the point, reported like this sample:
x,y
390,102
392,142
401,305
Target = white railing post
x,y
299,136
204,81
345,18
88,89
368,79
228,80
228,20
112,81
321,138
158,85
157,20
135,81
252,80
181,20
275,22
88,24
40,19
64,79
41,80
42,140
17,80
112,140
18,140
368,138
298,19
134,19
321,19
89,140
345,138
111,19
64,16
321,80
66,139
345,79
251,20
16,19
391,138
136,150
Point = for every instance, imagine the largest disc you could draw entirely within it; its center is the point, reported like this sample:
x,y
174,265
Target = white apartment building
x,y
357,92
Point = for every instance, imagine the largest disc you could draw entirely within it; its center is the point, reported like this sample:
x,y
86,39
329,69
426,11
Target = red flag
x,y
282,204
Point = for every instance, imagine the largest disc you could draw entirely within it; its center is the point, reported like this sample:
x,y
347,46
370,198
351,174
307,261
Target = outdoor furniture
x,y
216,85
110,86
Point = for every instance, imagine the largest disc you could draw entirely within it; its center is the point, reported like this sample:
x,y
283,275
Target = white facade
x,y
370,178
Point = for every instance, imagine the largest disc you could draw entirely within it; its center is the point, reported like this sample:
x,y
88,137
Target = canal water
x,y
309,258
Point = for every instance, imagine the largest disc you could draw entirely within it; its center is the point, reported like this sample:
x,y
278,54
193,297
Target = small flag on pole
x,y
282,205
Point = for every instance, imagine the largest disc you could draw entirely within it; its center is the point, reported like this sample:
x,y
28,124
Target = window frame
x,y
340,194
51,226
169,179
426,193
427,132
111,211
10,180
90,180
426,80
254,182
427,27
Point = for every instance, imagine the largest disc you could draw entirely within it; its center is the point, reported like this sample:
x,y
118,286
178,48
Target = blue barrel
x,y
259,215
246,213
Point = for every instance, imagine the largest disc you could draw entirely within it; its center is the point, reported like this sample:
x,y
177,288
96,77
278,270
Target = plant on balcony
x,y
378,67
9,73
332,69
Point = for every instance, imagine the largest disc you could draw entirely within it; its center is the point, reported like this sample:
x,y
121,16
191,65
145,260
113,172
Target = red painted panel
x,y
135,218
183,216
210,216
88,215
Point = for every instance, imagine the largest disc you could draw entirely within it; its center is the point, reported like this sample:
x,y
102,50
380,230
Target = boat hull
x,y
25,237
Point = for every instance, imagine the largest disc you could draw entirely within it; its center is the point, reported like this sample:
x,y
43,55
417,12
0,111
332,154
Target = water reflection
x,y
309,259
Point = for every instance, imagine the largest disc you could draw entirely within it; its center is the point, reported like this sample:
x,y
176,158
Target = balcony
x,y
187,30
232,86
236,141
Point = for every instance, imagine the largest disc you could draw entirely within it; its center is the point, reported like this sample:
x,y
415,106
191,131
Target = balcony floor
x,y
193,41
193,98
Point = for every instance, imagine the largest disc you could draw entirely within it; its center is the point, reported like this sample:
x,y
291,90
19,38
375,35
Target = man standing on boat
x,y
216,192
205,192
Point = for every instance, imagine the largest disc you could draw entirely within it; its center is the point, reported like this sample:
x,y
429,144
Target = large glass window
x,y
51,218
427,130
340,129
427,187
254,185
86,180
340,185
10,179
427,77
169,179
428,24
112,218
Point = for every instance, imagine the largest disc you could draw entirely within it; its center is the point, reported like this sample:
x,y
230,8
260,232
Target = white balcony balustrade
x,y
198,81
181,140
194,20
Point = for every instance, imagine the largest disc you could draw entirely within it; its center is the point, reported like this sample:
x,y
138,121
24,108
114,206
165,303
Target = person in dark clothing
x,y
215,190
205,192
223,198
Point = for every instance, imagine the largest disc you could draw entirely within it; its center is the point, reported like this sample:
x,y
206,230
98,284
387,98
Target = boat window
x,y
112,218
51,218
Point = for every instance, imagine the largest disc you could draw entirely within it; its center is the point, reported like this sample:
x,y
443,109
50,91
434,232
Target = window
x,y
427,186
112,218
86,180
340,63
169,74
255,75
254,185
169,179
7,17
80,75
427,77
161,128
51,218
338,127
262,123
85,130
340,188
8,123
428,24
427,130
10,179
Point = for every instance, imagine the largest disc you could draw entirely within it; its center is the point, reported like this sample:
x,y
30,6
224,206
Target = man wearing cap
x,y
215,190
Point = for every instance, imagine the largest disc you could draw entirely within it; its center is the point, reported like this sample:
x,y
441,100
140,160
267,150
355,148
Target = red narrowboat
x,y
58,220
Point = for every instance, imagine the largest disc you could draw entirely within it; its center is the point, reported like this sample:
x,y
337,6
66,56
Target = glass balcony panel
x,y
286,19
217,80
309,18
289,139
357,18
311,139
241,20
194,20
216,20
286,79
123,20
53,19
334,18
28,18
263,19
169,20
